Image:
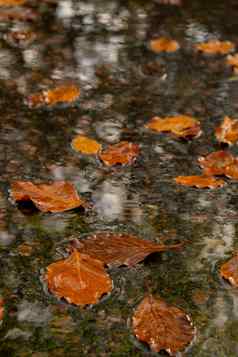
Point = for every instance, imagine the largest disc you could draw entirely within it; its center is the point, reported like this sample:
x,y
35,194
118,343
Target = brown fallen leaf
x,y
182,126
85,145
199,181
20,38
229,270
1,309
232,60
12,2
227,132
164,44
116,249
216,47
216,163
18,14
121,153
162,326
79,279
56,197
61,94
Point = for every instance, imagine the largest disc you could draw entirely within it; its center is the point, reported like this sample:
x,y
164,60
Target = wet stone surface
x,y
102,46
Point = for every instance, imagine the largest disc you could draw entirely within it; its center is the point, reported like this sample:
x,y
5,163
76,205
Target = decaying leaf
x,y
79,279
164,44
116,249
121,153
216,163
85,145
162,326
61,94
216,47
1,309
12,2
56,197
199,181
229,270
227,132
182,126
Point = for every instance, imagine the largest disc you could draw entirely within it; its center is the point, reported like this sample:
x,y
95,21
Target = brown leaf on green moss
x,y
116,249
199,181
216,47
79,279
162,326
216,163
229,270
56,197
122,153
227,132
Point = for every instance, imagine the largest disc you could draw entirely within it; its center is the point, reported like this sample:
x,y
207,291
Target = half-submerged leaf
x,y
216,47
216,162
164,44
85,145
229,270
227,132
162,326
122,153
182,126
120,249
56,197
199,181
79,279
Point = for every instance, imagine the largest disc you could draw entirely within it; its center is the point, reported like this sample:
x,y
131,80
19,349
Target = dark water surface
x,y
103,47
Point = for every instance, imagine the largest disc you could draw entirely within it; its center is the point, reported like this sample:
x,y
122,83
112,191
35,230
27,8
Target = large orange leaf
x,y
216,47
79,279
12,2
119,249
182,125
199,181
61,94
216,162
162,326
164,44
85,145
229,270
121,153
56,197
227,132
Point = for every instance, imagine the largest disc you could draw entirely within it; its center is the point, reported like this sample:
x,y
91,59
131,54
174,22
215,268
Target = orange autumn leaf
x,y
85,145
216,47
232,60
199,181
116,249
1,309
79,279
227,132
182,126
162,326
231,171
12,2
56,197
229,270
164,44
216,163
61,94
121,153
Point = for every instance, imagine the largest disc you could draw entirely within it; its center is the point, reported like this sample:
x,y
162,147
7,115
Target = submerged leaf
x,y
79,279
182,126
162,326
216,47
56,197
85,145
119,249
229,270
216,163
199,181
164,44
121,153
227,132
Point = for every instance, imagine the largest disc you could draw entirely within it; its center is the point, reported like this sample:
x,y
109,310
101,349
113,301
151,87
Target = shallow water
x,y
103,46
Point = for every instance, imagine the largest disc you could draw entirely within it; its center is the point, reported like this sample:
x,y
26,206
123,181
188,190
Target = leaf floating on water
x,y
56,197
164,44
6,3
229,270
121,153
79,279
227,132
216,47
162,326
182,126
85,145
199,181
120,249
216,163
61,94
